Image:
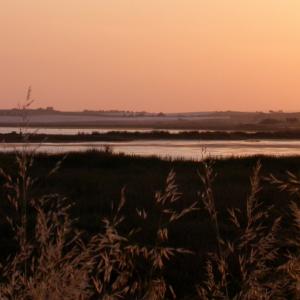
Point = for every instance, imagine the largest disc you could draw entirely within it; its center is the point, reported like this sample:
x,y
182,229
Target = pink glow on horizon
x,y
169,55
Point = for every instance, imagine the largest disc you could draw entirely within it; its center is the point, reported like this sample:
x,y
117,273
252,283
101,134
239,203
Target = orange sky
x,y
154,55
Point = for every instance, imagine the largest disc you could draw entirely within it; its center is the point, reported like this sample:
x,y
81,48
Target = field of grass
x,y
93,181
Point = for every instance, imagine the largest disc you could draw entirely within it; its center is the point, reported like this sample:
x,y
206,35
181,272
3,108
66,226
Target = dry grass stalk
x,y
242,267
53,262
291,268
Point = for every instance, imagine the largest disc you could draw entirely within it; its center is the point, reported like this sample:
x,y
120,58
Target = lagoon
x,y
185,149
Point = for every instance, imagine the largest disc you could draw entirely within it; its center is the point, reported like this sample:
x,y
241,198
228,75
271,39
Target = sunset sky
x,y
154,55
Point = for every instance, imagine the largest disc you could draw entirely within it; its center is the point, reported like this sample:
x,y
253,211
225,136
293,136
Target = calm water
x,y
183,149
175,149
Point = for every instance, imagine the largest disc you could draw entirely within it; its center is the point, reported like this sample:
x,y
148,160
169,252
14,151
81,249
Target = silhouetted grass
x,y
94,180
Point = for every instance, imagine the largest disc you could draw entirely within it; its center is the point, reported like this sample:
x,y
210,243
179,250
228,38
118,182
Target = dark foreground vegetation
x,y
125,136
146,228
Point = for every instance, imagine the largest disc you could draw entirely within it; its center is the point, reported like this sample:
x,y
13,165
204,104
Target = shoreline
x,y
129,136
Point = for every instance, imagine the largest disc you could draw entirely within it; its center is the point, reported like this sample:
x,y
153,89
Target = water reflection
x,y
174,149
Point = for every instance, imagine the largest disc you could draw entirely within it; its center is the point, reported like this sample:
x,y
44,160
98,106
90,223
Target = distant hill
x,y
221,120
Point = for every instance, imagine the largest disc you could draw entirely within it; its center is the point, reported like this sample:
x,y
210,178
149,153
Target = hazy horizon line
x,y
50,108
